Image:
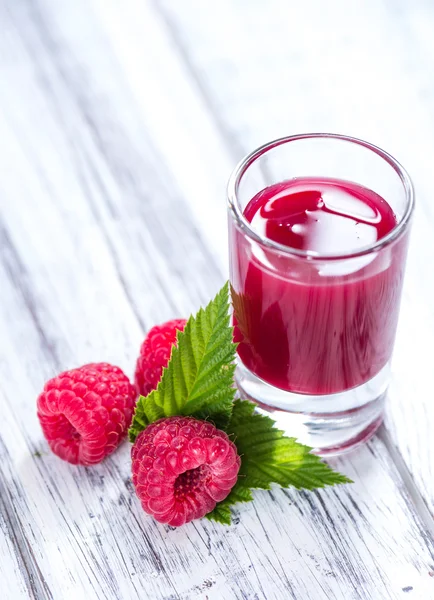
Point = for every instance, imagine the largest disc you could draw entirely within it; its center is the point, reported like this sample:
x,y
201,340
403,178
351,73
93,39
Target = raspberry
x,y
155,354
85,412
182,467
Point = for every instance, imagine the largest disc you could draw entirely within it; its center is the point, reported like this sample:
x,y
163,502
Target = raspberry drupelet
x,y
182,467
85,413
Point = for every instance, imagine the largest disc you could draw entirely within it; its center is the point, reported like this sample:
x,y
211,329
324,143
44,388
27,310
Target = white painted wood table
x,y
119,125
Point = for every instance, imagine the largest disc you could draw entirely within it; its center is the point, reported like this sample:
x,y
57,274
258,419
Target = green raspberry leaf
x,y
199,379
267,456
221,513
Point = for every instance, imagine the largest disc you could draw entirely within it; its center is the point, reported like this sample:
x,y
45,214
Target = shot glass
x,y
316,330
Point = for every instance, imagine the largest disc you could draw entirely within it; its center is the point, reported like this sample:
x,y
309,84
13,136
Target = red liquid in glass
x,y
309,326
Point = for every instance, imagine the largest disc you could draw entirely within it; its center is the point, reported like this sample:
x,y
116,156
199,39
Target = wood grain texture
x,y
17,581
115,147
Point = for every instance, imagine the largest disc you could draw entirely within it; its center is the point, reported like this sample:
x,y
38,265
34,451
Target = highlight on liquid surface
x,y
316,334
320,215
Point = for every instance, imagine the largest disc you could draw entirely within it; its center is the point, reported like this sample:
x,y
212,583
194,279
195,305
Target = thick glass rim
x,y
243,223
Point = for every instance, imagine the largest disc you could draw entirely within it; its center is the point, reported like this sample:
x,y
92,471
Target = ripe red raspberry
x,y
85,412
182,467
155,354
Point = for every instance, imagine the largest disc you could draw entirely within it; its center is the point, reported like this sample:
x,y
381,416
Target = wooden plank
x,y
98,222
364,69
17,581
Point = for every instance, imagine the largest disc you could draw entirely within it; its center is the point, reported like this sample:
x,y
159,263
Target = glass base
x,y
331,424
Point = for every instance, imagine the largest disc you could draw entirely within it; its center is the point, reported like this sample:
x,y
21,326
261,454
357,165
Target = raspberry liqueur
x,y
334,329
